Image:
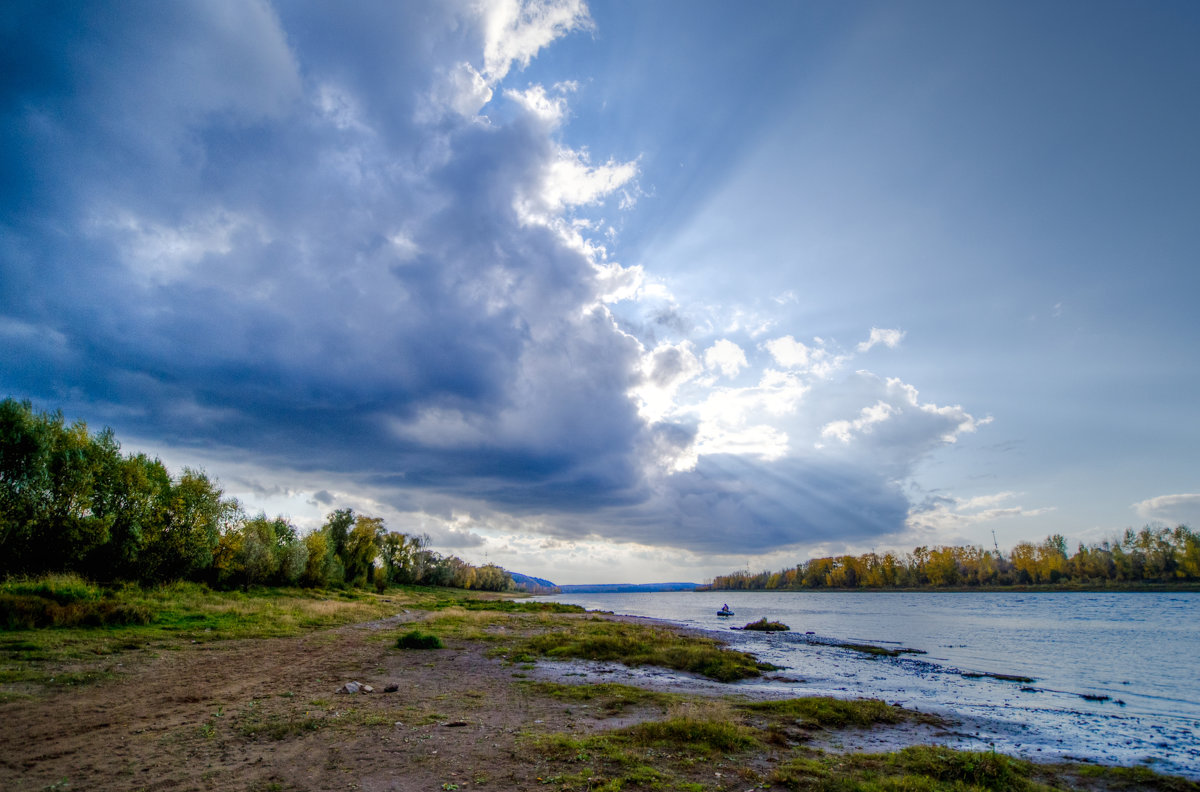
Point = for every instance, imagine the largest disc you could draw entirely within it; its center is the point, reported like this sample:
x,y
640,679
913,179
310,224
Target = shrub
x,y
767,626
24,612
63,589
415,639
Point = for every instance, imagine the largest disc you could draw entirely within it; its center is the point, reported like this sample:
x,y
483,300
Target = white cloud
x,y
726,357
844,430
889,338
895,427
788,352
815,360
745,421
1183,508
569,180
551,110
944,519
515,31
664,370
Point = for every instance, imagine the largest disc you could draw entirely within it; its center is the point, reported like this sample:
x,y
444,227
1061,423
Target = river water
x,y
1135,656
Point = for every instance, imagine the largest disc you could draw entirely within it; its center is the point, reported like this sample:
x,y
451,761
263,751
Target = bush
x,y
24,612
63,589
415,639
767,626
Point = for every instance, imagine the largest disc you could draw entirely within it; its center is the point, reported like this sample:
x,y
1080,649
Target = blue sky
x,y
620,292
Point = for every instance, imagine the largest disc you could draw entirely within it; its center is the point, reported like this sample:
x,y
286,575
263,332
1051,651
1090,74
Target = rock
x,y
391,688
455,724
366,689
351,687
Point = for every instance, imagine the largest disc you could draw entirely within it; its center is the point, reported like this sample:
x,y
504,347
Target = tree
x,y
322,566
337,526
189,524
362,547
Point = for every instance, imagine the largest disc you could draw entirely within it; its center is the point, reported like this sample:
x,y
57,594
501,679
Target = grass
x,y
767,626
611,697
876,651
830,713
522,636
698,741
731,744
926,768
101,623
517,606
640,644
415,639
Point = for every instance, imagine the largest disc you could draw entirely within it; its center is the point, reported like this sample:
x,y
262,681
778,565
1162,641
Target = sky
x,y
623,291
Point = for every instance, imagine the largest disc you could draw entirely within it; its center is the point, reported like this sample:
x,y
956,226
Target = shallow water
x,y
1140,650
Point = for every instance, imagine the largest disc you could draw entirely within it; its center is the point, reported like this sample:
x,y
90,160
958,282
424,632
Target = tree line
x,y
1151,555
71,502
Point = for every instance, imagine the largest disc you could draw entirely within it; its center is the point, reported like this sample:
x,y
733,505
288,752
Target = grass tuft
x,y
830,713
767,626
415,639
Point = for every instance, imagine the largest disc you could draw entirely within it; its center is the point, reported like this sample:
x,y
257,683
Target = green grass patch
x,y
640,644
61,588
1118,779
79,626
830,713
702,741
767,626
518,606
695,734
611,697
28,612
415,639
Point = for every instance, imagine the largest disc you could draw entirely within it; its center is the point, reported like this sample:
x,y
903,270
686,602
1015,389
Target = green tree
x,y
338,525
362,547
190,522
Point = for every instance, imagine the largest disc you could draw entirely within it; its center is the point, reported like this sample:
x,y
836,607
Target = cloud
x,y
282,240
943,519
896,427
792,354
889,338
304,266
725,357
1179,509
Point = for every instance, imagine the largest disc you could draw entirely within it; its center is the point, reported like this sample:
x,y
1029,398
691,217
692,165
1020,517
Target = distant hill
x,y
628,588
534,585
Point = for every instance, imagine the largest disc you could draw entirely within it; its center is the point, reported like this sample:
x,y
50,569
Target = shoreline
x,y
961,730
197,710
1047,588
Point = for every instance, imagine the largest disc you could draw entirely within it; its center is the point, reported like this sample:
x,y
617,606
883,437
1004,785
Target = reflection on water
x,y
1132,655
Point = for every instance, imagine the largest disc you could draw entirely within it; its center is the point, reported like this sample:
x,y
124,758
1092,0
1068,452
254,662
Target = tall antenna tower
x,y
995,544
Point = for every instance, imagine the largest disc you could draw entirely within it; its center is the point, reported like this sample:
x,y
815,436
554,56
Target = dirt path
x,y
264,715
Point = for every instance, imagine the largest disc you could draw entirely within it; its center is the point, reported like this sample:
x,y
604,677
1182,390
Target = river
x,y
1116,675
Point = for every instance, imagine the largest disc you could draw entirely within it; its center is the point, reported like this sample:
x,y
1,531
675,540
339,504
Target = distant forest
x,y
71,502
1151,555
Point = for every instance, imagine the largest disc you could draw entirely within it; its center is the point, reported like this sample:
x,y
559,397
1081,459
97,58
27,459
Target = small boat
x,y
725,611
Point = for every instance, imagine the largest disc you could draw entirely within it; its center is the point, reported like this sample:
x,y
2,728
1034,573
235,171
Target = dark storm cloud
x,y
253,244
731,504
253,230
